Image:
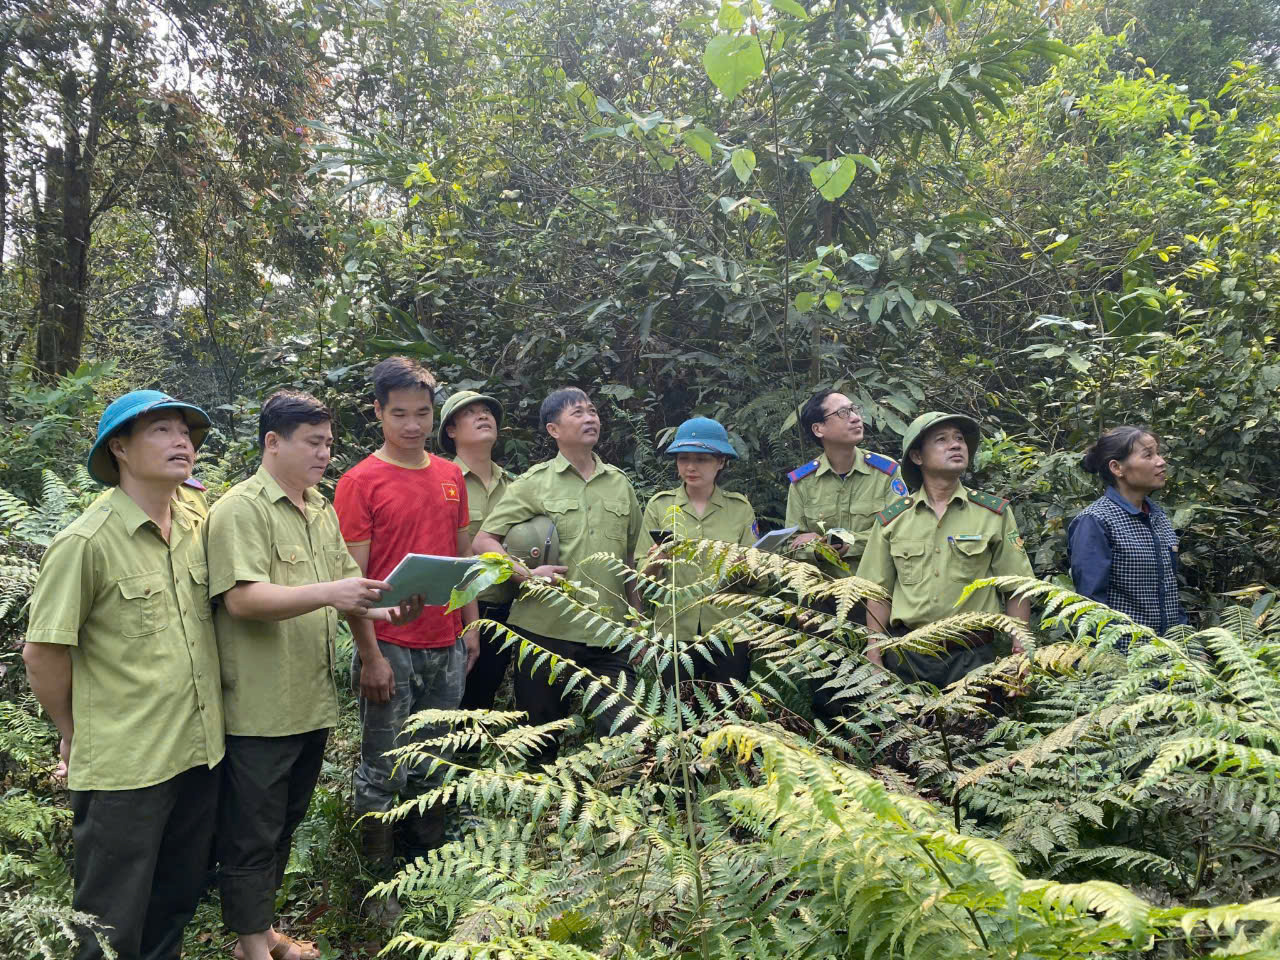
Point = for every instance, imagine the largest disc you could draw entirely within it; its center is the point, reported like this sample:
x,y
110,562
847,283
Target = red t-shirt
x,y
399,510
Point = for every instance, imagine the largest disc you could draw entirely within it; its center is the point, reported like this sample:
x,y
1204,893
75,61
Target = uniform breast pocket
x,y
969,559
335,562
568,516
908,560
291,567
200,590
143,610
862,515
611,519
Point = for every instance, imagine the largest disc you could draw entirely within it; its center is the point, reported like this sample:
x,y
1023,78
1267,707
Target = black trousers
x,y
141,860
543,699
267,784
491,666
827,703
724,667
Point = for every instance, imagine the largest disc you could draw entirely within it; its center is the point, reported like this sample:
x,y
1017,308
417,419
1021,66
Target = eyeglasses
x,y
846,413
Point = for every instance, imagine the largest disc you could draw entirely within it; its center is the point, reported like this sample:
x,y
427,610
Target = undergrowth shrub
x,y
1067,801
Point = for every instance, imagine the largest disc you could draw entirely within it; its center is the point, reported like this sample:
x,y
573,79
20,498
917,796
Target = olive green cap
x,y
533,542
455,403
915,433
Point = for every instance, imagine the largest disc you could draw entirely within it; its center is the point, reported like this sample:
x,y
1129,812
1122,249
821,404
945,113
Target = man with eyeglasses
x,y
836,497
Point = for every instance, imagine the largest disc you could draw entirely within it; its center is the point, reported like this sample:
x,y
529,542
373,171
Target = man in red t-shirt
x,y
402,500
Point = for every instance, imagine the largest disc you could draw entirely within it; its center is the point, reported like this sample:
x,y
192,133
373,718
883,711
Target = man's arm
x,y
263,600
377,679
471,612
877,566
795,518
49,673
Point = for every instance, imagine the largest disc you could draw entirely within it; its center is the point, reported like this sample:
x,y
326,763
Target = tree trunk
x,y
64,256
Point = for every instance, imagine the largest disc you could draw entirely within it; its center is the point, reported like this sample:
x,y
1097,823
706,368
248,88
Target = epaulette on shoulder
x,y
799,473
537,468
992,503
89,522
893,511
734,495
194,484
886,465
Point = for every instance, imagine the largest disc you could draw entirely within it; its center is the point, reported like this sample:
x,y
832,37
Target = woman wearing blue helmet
x,y
699,509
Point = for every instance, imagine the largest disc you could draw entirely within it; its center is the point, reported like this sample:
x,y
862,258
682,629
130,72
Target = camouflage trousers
x,y
425,680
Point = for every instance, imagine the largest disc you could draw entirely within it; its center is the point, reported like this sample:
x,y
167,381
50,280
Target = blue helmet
x,y
702,435
101,464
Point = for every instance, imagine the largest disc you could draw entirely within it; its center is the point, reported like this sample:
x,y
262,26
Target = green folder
x,y
421,573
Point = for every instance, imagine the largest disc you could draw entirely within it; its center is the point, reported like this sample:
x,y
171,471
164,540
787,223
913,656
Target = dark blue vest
x,y
1144,582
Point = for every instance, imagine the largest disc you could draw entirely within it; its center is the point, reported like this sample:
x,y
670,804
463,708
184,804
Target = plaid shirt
x,y
1128,559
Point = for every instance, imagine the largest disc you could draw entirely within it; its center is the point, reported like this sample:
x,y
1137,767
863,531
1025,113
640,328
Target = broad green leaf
x,y
867,162
790,8
805,301
833,177
833,300
701,141
733,63
744,163
730,17
867,261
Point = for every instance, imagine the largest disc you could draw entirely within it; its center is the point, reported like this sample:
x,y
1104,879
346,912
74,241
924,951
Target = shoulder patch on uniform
x,y
898,487
799,473
194,484
886,465
893,511
992,503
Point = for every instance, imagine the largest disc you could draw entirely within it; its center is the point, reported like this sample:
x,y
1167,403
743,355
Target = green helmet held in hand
x,y
534,542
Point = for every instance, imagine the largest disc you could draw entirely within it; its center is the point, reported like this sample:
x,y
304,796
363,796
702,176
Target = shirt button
x,y
937,549
935,573
146,592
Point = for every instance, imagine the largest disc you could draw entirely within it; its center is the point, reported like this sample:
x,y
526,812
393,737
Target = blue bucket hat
x,y
102,466
702,435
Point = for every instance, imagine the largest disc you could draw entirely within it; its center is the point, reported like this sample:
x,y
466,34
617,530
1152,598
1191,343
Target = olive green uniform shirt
x,y
600,515
925,562
192,499
481,500
277,676
823,500
144,663
728,518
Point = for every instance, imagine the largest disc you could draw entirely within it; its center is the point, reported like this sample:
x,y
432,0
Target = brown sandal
x,y
287,948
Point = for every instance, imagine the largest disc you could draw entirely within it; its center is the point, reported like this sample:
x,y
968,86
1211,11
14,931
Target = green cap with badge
x,y
463,398
534,542
915,434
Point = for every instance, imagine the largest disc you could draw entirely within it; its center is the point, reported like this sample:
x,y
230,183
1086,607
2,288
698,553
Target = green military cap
x,y
915,433
455,403
534,542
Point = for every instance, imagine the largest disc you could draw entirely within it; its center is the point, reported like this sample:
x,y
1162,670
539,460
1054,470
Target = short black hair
x,y
556,402
812,414
401,373
1115,444
286,410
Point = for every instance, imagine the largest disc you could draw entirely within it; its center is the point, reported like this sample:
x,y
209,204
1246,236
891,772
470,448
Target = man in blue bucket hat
x,y
121,653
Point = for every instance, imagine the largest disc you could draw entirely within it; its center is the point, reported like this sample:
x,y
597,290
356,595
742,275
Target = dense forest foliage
x,y
1052,215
